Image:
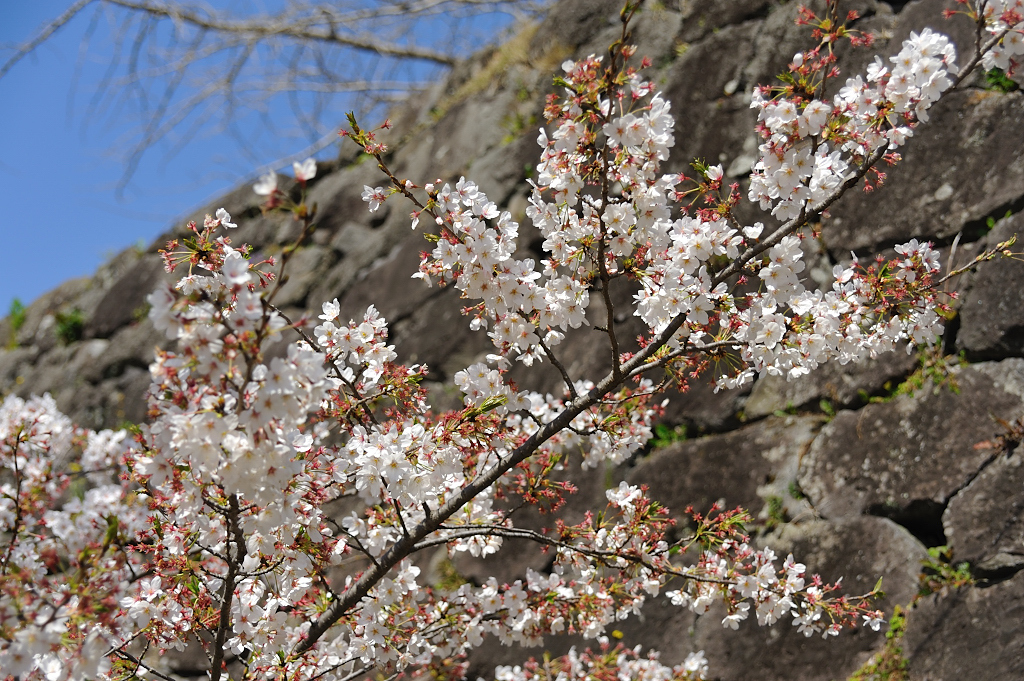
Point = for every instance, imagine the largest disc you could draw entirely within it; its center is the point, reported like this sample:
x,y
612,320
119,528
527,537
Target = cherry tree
x,y
218,526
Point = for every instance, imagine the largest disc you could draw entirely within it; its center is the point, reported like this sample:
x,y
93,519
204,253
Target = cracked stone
x,y
971,633
885,456
992,307
742,467
985,521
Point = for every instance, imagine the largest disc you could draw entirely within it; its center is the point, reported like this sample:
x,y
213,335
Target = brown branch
x,y
16,526
605,557
558,365
980,48
686,350
227,592
139,663
989,254
403,547
48,30
283,26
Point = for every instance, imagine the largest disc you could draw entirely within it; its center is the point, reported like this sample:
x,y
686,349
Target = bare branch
x,y
140,664
181,69
51,28
282,25
609,558
234,563
561,369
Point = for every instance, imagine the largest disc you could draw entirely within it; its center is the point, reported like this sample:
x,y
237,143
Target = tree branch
x,y
227,592
558,365
43,36
407,544
282,25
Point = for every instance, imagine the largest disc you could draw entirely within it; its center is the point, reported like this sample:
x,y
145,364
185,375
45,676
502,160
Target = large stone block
x,y
968,634
741,468
992,305
907,457
984,522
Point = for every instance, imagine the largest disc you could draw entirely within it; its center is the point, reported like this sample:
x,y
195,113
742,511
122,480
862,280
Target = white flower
x,y
873,620
225,218
753,231
235,269
266,185
331,311
306,170
374,196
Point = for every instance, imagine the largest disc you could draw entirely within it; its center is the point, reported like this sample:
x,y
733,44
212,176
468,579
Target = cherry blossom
x,y
270,511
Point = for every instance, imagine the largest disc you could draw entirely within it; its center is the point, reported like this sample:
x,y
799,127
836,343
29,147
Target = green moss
x,y
937,574
516,124
69,326
795,491
890,664
450,578
790,410
17,314
665,435
990,221
933,368
776,513
827,409
140,313
996,79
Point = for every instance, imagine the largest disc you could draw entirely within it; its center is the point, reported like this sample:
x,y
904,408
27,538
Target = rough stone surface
x,y
906,458
992,307
957,171
125,299
912,459
985,522
842,386
740,468
986,178
968,634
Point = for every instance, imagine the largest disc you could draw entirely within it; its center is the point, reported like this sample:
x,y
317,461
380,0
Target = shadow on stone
x,y
921,517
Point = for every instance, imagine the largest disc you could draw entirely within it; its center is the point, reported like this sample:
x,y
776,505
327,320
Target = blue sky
x,y
59,170
61,217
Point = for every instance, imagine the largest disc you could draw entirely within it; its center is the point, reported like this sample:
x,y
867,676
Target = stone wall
x,y
857,477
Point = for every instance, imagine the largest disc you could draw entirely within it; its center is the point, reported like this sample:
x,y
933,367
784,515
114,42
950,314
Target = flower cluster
x,y
629,228
809,144
66,519
623,662
1004,22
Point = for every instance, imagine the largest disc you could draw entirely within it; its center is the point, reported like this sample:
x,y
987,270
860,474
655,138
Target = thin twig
x,y
139,663
558,365
283,26
43,35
